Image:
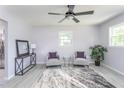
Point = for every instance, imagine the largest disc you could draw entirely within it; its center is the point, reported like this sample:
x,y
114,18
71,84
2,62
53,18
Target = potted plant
x,y
97,53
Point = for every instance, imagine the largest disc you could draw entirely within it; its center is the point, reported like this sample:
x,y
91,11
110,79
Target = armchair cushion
x,y
53,55
53,62
80,54
81,61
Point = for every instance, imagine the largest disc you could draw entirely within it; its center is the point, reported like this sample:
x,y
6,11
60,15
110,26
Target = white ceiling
x,y
38,15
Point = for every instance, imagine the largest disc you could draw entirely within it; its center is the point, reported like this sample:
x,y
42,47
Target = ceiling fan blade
x,y
71,8
62,20
75,19
55,13
84,13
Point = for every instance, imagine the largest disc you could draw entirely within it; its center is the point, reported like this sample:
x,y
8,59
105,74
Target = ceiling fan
x,y
70,13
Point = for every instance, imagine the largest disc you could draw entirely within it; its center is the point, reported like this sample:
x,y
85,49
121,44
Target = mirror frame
x,y
17,48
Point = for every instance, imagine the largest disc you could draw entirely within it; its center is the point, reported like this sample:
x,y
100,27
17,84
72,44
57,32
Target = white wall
x,y
46,39
17,29
115,56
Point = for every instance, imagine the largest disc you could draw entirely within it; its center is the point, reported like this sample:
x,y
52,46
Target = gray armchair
x,y
53,59
80,59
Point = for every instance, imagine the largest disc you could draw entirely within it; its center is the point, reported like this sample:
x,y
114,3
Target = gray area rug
x,y
71,77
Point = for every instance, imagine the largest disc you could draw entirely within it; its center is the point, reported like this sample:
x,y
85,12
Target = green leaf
x,y
97,52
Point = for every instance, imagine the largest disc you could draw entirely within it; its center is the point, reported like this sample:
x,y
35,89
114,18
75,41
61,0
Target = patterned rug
x,y
71,77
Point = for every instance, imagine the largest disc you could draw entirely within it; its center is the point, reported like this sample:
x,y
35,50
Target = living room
x,y
44,30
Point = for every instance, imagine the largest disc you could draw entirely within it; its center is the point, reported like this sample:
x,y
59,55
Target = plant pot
x,y
97,63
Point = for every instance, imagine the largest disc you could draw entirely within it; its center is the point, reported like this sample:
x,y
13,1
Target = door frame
x,y
5,23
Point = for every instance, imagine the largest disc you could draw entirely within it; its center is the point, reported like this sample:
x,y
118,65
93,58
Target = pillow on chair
x,y
80,54
53,55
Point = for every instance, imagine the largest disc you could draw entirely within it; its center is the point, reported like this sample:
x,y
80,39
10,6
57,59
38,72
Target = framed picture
x,y
22,47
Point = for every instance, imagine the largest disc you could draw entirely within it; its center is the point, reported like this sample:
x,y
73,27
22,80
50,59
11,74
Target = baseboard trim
x,y
10,77
41,63
103,64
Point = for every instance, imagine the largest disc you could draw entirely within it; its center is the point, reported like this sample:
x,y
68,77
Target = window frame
x,y
110,35
60,40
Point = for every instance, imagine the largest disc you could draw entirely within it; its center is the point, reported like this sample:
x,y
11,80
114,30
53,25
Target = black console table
x,y
19,64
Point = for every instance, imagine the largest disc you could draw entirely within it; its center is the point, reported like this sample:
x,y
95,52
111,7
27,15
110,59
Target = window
x,y
65,38
117,35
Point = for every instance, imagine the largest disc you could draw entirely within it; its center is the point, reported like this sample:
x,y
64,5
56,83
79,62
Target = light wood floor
x,y
113,77
30,77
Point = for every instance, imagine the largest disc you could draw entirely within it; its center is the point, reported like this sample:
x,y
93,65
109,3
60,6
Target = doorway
x,y
2,49
3,28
